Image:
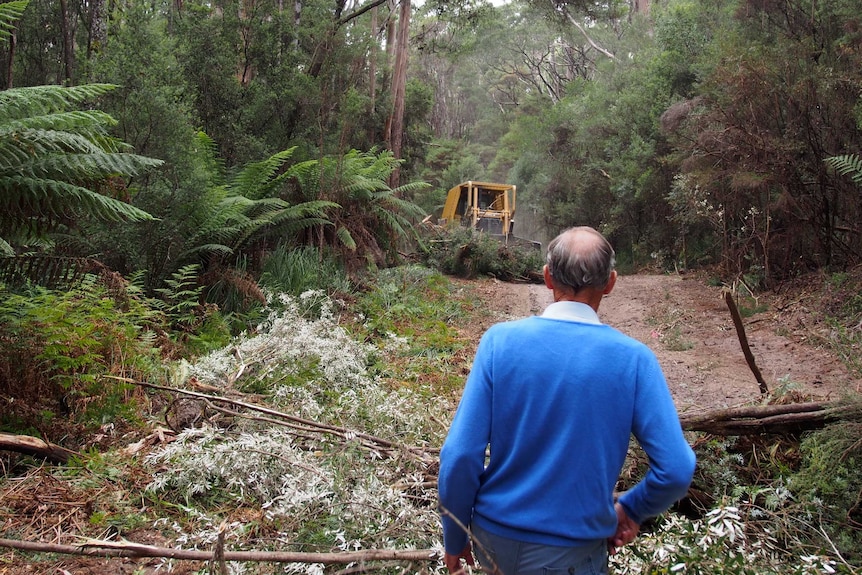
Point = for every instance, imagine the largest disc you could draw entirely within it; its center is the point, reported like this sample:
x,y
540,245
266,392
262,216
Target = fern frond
x,y
290,226
400,205
256,180
313,209
39,142
26,198
848,164
9,13
308,175
18,103
346,239
266,207
393,221
94,166
216,249
73,121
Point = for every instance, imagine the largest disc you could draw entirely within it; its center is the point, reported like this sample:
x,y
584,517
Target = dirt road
x,y
688,325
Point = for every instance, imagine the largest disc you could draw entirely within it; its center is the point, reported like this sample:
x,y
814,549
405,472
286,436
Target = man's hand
x,y
453,562
626,532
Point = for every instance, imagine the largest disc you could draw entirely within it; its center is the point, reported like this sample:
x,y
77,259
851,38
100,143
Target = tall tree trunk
x,y
372,72
297,14
399,86
98,28
68,45
246,15
640,6
387,77
10,64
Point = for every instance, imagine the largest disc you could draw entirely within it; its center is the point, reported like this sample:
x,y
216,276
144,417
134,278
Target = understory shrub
x,y
296,270
58,349
720,543
420,308
828,486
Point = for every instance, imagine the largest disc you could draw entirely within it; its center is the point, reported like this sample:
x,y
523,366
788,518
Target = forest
x,y
227,311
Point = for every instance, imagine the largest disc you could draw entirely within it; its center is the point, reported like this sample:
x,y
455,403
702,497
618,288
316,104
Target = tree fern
x,y
249,205
371,217
53,161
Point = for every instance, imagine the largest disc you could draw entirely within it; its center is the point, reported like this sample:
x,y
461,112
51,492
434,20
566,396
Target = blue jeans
x,y
502,556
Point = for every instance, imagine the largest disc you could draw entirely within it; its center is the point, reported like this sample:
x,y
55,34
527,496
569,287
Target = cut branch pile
x,y
379,445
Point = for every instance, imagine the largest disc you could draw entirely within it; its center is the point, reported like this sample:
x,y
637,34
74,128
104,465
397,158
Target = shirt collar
x,y
571,311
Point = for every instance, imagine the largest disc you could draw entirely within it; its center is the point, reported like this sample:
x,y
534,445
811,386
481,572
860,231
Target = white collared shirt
x,y
572,311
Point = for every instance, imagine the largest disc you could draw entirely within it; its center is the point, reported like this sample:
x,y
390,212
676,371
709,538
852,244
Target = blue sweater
x,y
558,401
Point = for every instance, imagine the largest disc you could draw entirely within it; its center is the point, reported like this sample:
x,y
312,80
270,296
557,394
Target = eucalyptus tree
x,y
267,76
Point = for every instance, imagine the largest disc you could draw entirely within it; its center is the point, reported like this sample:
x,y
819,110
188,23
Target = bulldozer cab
x,y
481,205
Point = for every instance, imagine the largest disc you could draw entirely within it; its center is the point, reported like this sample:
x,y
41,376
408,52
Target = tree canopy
x,y
690,132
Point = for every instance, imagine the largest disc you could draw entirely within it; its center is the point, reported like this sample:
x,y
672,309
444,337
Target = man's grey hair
x,y
581,257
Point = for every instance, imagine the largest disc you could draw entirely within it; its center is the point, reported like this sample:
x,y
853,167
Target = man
x,y
555,398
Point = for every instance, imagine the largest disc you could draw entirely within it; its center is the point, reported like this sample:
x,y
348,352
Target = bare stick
x,y
129,549
743,341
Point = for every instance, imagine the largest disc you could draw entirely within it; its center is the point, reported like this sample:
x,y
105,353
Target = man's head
x,y
581,258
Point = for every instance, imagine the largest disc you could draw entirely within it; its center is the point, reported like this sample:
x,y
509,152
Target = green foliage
x,y
297,270
154,114
717,543
182,296
371,219
828,485
847,165
419,308
62,351
9,13
775,75
843,315
198,327
249,206
58,166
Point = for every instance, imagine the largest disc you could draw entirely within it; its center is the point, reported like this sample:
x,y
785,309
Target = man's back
x,y
558,400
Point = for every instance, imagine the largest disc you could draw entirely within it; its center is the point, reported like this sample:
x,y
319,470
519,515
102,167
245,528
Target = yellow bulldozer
x,y
484,206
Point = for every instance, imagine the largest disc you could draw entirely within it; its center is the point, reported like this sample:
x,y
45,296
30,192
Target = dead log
x,y
35,446
774,419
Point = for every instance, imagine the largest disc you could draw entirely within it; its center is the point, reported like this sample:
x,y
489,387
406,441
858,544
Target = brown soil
x,y
689,327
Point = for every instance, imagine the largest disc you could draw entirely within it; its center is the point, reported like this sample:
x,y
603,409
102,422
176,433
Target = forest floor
x,y
688,325
683,319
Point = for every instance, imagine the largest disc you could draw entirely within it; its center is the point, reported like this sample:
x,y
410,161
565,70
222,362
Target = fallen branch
x,y
793,417
130,549
35,446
